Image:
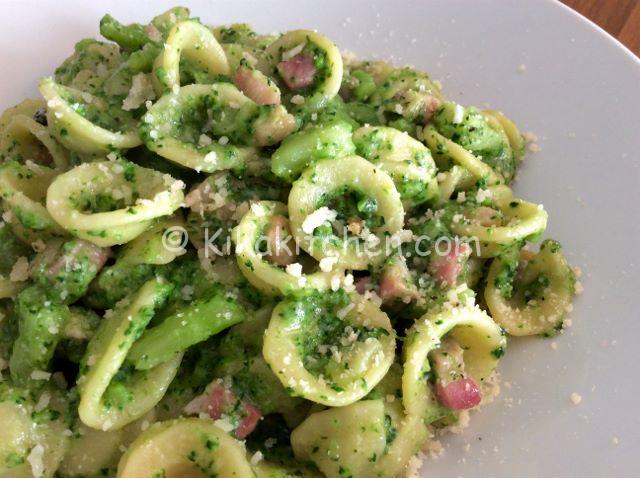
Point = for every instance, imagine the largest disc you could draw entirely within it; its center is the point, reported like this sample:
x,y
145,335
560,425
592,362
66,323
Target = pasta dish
x,y
226,254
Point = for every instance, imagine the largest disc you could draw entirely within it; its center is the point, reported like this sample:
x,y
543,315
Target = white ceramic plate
x,y
579,92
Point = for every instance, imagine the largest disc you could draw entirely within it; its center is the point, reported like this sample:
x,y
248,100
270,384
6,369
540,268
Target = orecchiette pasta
x,y
25,138
266,269
111,202
194,42
330,180
298,52
84,123
184,446
531,294
331,350
106,404
23,189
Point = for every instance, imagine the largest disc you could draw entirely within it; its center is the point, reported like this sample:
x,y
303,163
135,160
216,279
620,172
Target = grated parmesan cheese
x,y
141,91
287,55
35,460
20,270
256,458
458,114
335,283
342,313
224,425
204,140
40,375
326,263
294,269
317,218
482,195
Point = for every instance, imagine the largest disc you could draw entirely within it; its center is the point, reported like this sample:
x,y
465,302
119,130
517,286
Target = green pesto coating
x,y
10,249
475,134
67,282
40,324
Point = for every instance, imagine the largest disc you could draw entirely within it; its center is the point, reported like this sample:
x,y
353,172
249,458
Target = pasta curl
x,y
306,48
23,189
185,447
108,401
330,348
531,294
480,338
24,137
182,127
265,274
85,123
111,202
192,41
335,180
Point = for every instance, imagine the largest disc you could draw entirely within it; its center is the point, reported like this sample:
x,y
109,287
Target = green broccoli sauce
x,y
498,352
148,159
434,226
273,430
403,125
11,248
40,326
240,33
413,190
196,369
325,112
8,328
474,133
118,394
204,463
390,431
320,62
72,279
351,203
260,386
364,85
88,54
139,61
361,113
315,316
536,288
218,224
190,74
110,116
205,114
13,460
92,203
31,220
505,278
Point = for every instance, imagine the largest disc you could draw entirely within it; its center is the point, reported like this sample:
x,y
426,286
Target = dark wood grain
x,y
630,33
621,18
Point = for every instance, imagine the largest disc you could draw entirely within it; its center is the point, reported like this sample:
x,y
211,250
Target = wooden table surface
x,y
621,18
